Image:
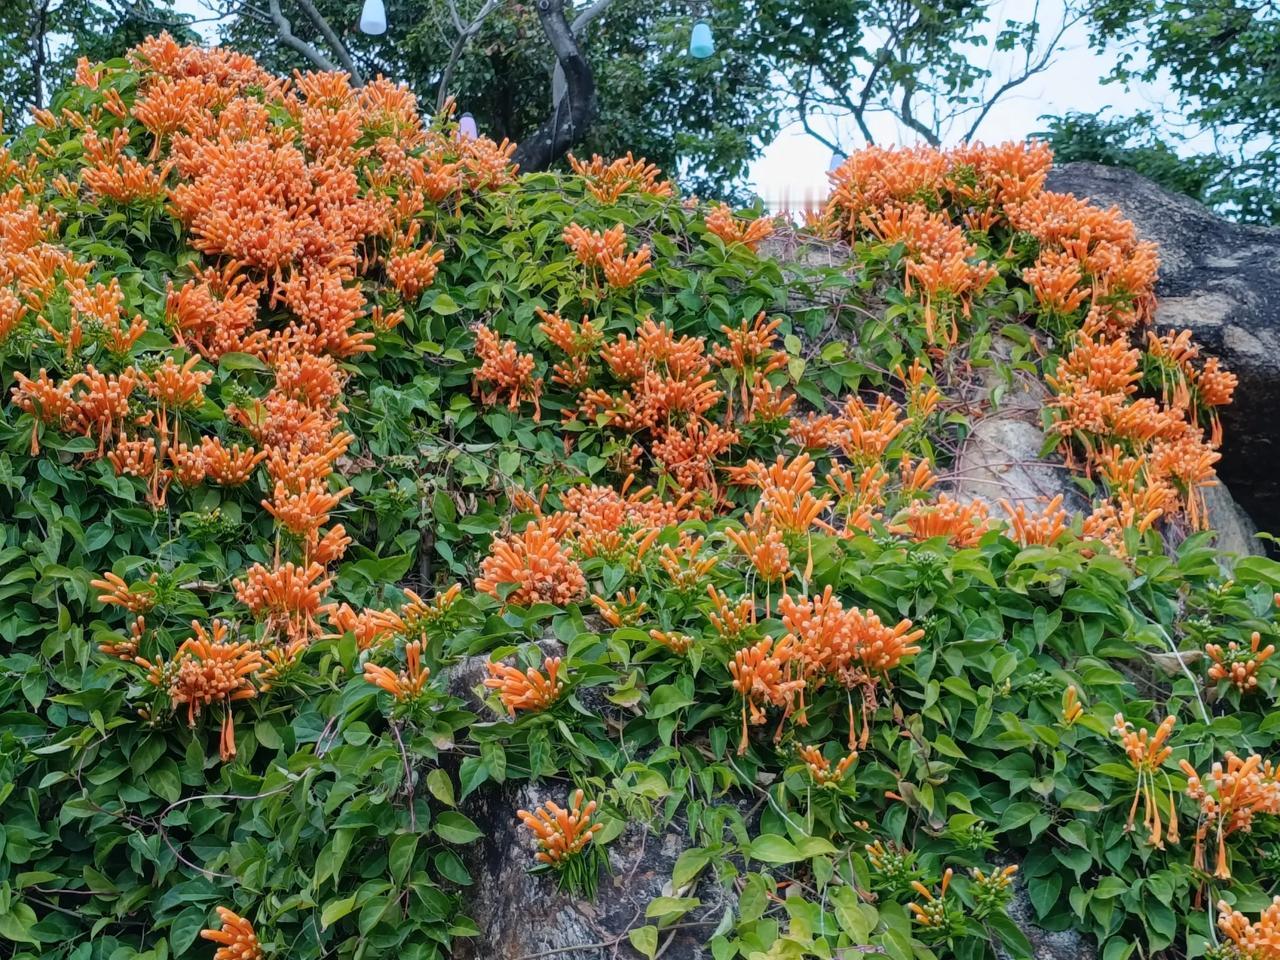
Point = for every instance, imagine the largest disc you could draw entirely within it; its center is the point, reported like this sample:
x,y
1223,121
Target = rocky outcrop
x,y
524,915
1221,280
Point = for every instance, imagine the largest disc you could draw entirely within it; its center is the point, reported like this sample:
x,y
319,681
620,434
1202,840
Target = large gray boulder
x,y
1221,280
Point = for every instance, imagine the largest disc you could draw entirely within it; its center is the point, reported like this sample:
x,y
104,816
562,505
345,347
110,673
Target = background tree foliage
x,y
1221,58
40,41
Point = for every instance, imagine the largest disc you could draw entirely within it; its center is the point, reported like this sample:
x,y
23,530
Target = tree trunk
x,y
573,115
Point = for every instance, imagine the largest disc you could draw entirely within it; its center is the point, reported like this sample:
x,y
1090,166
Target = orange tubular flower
x,y
530,691
505,373
1036,529
412,271
963,525
594,248
1072,708
369,627
760,677
678,643
609,182
418,614
287,597
730,620
682,565
407,684
622,272
1252,941
623,611
236,936
208,670
1229,801
767,553
1055,281
1147,754
820,768
115,592
1237,664
178,388
229,467
536,564
561,833
724,225
302,513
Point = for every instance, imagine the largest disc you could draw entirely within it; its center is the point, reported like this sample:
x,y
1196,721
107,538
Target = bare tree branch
x,y
1029,70
907,117
331,38
465,32
284,30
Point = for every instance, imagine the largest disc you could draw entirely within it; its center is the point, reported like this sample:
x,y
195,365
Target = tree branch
x,y
284,30
1029,71
579,26
571,118
331,38
465,33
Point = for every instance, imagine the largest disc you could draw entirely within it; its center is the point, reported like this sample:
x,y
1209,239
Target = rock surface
x,y
1221,280
524,915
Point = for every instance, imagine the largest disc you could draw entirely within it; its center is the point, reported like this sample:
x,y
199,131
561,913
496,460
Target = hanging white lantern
x,y
373,18
467,127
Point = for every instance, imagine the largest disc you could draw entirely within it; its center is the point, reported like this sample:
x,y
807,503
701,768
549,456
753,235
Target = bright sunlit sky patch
x,y
796,165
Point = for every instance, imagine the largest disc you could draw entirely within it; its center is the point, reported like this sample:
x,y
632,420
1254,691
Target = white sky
x,y
795,164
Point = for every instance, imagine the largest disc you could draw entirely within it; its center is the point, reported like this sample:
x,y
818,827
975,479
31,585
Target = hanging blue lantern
x,y
701,43
373,18
837,158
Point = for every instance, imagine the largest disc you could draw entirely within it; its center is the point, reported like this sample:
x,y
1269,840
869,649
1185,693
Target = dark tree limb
x,y
331,37
284,30
573,115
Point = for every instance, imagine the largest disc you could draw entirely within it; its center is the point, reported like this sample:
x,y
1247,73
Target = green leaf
x,y
444,305
455,827
645,940
667,699
441,786
335,910
186,928
688,865
400,856
771,848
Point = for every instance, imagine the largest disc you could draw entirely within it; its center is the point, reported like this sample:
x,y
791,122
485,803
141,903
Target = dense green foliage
x,y
340,828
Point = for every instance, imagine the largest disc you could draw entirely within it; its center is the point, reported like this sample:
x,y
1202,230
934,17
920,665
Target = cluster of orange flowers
x,y
1239,664
293,191
407,684
1091,272
1147,753
530,690
236,937
820,768
505,373
731,230
1259,940
208,669
561,833
609,182
1230,797
606,251
532,567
